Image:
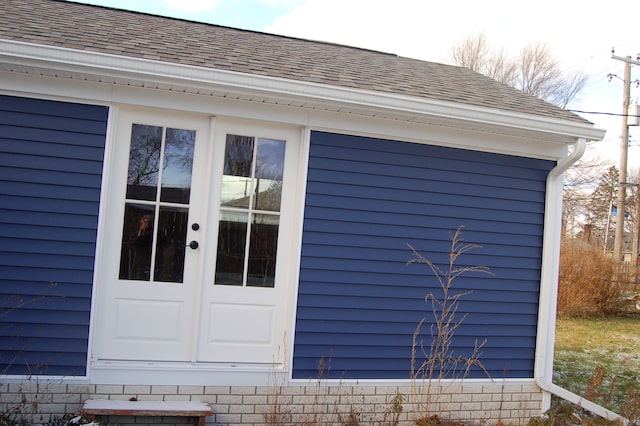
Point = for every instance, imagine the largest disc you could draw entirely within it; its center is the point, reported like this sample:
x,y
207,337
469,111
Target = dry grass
x,y
588,285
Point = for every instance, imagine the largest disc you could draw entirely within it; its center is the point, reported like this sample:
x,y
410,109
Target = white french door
x,y
196,241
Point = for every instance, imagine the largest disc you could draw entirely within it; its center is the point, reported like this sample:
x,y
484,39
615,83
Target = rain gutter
x,y
543,370
117,69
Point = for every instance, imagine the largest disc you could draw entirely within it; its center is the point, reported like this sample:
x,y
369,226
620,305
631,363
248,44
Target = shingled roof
x,y
139,35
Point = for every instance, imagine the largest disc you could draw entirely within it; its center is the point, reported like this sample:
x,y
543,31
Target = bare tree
x,y
500,67
472,52
534,70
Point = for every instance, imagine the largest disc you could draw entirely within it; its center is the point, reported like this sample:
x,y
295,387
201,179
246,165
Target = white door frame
x,y
112,206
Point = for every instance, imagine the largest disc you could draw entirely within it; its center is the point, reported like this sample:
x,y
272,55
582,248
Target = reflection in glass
x,y
248,188
262,251
144,162
178,162
171,244
238,155
236,191
156,151
232,239
269,170
236,180
135,255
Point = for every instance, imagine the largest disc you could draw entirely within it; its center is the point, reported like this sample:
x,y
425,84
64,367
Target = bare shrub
x,y
587,282
437,360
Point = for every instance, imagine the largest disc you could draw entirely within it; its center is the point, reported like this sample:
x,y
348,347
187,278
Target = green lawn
x,y
584,345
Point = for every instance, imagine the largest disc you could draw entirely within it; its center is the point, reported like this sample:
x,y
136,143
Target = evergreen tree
x,y
602,200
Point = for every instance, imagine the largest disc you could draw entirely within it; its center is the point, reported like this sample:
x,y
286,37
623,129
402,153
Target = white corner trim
x,y
543,369
197,78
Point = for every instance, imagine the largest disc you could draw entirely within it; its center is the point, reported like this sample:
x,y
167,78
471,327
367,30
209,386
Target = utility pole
x,y
618,252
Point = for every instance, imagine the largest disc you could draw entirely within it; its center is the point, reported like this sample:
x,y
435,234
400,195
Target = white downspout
x,y
543,369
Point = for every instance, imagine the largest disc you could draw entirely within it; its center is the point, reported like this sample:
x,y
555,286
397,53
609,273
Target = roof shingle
x,y
139,35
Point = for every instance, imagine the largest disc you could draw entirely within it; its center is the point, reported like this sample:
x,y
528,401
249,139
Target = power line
x,y
602,113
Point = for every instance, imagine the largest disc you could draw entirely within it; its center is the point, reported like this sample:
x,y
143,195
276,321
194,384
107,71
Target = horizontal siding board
x,y
414,164
329,195
414,213
44,275
523,242
18,368
319,280
477,293
392,275
45,163
386,344
51,160
529,259
413,155
70,221
523,189
42,121
27,246
27,315
369,199
16,303
386,183
352,265
327,315
50,150
398,369
377,304
30,289
45,331
52,108
85,141
345,227
69,345
45,190
413,150
62,261
79,180
52,205
506,331
31,231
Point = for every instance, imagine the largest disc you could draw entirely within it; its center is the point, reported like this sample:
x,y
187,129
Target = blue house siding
x,y
51,156
367,199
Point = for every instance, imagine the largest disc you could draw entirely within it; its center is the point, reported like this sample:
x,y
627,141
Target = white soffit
x,y
120,70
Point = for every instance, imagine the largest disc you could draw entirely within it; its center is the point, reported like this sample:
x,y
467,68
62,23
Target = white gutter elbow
x,y
543,369
570,160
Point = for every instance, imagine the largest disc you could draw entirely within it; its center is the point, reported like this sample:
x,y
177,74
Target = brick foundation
x,y
513,403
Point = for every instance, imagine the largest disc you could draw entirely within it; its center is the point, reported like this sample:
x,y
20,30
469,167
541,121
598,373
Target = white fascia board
x,y
332,97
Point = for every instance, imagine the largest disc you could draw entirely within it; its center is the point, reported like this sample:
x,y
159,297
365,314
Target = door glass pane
x,y
171,244
178,161
232,239
269,170
144,162
165,155
135,258
262,251
236,180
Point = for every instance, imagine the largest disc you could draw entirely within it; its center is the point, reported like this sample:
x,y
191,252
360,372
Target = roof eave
x,y
171,76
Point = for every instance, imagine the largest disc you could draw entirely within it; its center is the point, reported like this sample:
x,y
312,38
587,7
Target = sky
x,y
579,34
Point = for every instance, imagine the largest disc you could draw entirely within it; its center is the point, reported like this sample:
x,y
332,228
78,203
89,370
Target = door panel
x,y
156,194
247,292
241,324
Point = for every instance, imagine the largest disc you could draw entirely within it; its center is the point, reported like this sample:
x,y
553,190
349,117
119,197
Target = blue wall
x,y
367,199
51,157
